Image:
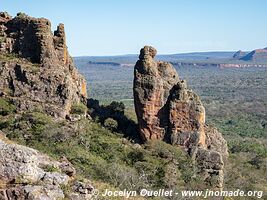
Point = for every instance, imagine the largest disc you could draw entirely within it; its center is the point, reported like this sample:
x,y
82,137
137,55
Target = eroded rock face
x,y
165,107
35,67
168,110
152,84
26,174
186,117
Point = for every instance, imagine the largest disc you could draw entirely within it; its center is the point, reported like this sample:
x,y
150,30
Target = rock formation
x,y
239,54
35,67
258,55
25,173
167,110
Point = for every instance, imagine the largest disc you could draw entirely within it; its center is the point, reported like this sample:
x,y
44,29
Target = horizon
x,y
104,28
136,54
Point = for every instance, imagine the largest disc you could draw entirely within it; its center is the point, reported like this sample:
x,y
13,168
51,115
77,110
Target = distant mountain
x,y
258,55
197,56
239,54
104,63
132,58
256,58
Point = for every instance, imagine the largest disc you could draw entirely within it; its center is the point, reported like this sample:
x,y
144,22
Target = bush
x,y
7,122
79,109
135,156
37,120
117,106
21,14
124,177
111,124
6,107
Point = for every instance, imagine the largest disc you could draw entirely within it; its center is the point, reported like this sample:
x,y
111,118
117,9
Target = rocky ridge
x,y
239,54
168,110
256,55
37,74
36,69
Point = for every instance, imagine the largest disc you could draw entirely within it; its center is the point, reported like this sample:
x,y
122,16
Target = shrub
x,y
78,109
6,122
21,14
124,177
37,120
111,124
6,107
117,106
135,156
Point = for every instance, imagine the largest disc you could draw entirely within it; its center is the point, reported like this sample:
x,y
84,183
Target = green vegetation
x,y
6,107
9,57
106,150
2,39
235,102
104,156
50,168
21,14
78,109
242,125
111,124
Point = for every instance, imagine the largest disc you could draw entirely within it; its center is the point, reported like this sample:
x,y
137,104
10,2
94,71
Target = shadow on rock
x,y
113,117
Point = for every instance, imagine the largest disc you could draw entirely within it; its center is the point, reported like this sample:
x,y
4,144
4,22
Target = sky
x,y
116,27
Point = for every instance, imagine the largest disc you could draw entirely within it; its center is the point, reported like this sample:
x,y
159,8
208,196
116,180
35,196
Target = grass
x,y
104,156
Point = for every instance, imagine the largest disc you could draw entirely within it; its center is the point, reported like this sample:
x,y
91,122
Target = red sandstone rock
x,y
168,110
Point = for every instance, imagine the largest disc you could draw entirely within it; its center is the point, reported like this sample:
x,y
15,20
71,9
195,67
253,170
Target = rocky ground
x,y
28,174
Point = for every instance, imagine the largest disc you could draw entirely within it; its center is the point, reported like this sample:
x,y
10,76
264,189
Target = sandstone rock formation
x,y
35,67
168,110
257,55
25,173
152,84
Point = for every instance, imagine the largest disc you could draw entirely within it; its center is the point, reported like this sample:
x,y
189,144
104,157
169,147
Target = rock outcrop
x,y
27,174
152,84
257,55
35,67
239,54
168,110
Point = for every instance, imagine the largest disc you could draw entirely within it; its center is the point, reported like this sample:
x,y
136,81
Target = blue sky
x,y
114,27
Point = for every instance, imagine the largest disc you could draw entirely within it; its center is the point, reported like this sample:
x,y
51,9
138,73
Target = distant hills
x,y
255,58
256,55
